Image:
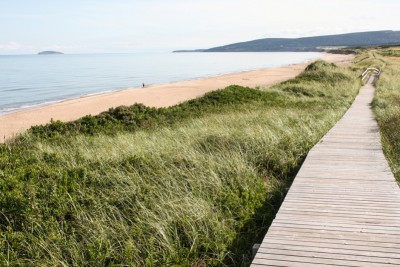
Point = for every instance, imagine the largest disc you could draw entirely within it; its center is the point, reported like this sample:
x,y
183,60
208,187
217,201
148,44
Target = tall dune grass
x,y
387,109
192,185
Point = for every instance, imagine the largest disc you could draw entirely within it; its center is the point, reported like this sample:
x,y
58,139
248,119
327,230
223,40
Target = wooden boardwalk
x,y
343,208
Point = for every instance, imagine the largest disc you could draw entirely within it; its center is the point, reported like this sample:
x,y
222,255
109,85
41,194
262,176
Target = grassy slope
x,y
387,107
192,185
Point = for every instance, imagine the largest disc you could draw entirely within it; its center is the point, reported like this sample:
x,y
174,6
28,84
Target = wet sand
x,y
156,96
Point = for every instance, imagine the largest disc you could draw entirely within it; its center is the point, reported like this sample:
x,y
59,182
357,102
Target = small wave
x,y
9,110
4,111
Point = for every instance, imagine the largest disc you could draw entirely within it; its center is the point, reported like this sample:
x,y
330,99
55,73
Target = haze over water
x,y
30,80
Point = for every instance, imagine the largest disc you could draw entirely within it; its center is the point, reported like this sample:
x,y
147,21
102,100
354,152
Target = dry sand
x,y
157,96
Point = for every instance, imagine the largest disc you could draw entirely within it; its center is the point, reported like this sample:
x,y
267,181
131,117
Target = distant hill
x,y
316,43
50,53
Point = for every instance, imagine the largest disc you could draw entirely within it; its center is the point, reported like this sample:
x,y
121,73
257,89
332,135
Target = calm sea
x,y
30,80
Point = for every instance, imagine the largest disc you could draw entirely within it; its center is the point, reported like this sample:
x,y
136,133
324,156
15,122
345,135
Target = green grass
x,y
387,109
389,53
196,184
370,58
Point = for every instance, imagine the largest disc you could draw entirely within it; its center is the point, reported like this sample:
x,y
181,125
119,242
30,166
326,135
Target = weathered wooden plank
x,y
334,206
334,243
294,260
343,202
285,263
376,256
327,234
347,180
349,213
346,187
343,188
315,195
348,226
319,196
359,201
324,254
345,228
342,220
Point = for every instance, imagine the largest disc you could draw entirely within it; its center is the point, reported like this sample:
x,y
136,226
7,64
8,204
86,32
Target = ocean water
x,y
31,80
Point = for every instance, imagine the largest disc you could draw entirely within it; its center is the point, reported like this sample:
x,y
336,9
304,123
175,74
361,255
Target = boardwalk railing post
x,y
367,72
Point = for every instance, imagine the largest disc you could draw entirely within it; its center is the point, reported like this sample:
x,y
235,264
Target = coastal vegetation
x,y
387,106
196,184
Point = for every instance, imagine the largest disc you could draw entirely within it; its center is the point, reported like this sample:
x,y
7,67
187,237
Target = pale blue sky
x,y
81,26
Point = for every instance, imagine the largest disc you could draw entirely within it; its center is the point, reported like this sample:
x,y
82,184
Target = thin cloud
x,y
11,46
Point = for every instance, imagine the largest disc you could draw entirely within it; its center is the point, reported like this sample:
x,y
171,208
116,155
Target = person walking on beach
x,y
143,85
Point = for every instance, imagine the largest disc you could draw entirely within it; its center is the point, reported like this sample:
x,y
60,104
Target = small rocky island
x,y
50,53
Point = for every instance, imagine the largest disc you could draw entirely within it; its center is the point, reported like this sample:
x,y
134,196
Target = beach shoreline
x,y
162,95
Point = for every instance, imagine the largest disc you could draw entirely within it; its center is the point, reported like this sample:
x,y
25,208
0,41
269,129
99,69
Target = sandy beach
x,y
157,96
